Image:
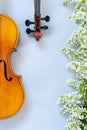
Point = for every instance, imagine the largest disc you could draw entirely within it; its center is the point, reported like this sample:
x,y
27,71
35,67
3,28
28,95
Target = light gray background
x,y
41,64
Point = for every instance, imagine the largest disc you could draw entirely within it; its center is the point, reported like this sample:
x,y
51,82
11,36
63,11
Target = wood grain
x,y
11,92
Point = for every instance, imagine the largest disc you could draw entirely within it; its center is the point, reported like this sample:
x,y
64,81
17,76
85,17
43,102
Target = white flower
x,y
75,104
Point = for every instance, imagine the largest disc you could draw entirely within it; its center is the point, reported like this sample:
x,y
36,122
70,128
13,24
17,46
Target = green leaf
x,y
81,88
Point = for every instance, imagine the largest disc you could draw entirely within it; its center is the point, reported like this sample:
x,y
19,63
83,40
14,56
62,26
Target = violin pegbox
x,y
37,26
37,22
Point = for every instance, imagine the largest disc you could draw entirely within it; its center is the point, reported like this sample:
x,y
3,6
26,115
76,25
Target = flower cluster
x,y
75,104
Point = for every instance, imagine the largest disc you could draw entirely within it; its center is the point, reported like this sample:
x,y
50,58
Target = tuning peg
x,y
44,27
28,31
28,22
46,18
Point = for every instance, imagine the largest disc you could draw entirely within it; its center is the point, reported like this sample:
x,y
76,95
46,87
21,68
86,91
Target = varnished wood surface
x,y
11,92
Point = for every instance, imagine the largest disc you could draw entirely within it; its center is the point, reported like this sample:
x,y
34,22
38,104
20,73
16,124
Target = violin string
x,y
37,7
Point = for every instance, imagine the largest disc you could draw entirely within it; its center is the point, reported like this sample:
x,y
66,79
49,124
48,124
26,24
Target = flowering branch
x,y
75,104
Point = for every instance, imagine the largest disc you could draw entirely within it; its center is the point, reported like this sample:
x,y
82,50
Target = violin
x,y
37,22
11,87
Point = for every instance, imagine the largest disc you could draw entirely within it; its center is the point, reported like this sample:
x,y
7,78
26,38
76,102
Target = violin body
x,y
11,87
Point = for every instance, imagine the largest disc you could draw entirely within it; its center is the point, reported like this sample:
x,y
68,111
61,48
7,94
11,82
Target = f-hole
x,y
5,71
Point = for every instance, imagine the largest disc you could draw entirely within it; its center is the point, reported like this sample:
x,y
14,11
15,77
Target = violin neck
x,y
37,8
